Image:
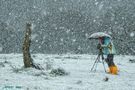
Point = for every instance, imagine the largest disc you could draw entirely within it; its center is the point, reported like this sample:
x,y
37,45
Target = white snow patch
x,y
33,36
36,40
44,12
39,46
61,39
74,40
61,27
33,26
68,30
101,6
80,77
94,20
132,34
60,9
96,3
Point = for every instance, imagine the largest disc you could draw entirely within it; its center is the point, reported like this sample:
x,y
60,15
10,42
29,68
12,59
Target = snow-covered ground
x,y
14,77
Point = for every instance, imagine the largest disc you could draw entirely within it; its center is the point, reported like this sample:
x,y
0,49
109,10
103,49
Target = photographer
x,y
107,48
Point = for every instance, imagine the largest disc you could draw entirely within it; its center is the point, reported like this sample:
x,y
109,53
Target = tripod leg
x,y
95,63
103,65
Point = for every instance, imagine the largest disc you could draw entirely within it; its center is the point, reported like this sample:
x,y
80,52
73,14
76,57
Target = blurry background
x,y
62,26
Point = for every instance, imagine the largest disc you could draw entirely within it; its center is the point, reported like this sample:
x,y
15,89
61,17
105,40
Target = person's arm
x,y
108,45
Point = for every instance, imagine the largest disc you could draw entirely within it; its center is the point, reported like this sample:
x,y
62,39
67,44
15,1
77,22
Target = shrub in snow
x,y
132,60
79,82
6,62
58,72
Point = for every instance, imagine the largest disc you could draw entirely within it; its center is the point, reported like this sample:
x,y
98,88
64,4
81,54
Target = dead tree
x,y
28,61
26,47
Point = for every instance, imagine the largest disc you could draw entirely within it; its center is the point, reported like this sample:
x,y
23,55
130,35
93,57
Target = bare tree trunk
x,y
28,61
26,47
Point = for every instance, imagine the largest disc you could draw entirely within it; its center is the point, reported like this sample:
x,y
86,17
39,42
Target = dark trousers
x,y
109,60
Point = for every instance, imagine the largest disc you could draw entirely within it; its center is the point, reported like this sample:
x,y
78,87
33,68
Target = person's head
x,y
101,40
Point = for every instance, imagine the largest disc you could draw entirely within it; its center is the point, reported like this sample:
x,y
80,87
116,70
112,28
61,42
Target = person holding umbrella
x,y
108,51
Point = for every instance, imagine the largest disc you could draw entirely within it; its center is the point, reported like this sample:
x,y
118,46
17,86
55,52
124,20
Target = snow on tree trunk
x,y
26,47
28,61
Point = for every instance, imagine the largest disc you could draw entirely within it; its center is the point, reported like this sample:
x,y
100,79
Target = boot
x,y
113,70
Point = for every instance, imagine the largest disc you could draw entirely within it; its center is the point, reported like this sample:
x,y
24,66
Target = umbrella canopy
x,y
99,34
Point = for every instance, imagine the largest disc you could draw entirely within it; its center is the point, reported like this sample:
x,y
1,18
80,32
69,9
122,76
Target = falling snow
x,y
61,26
60,33
132,34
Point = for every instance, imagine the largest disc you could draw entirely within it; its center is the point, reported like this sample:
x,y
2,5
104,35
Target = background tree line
x,y
62,26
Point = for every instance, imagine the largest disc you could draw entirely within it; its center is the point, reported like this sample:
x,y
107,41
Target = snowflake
x,y
132,34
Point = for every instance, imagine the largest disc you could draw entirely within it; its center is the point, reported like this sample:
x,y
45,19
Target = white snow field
x,y
14,77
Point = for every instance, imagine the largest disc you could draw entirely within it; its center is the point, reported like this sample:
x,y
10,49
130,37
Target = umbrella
x,y
99,34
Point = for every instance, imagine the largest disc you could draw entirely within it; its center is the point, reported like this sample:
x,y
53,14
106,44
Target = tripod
x,y
98,60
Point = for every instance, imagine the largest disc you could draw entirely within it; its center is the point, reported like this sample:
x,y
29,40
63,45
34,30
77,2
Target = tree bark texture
x,y
26,47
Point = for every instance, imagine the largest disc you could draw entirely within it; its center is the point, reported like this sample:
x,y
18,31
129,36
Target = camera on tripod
x,y
99,46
